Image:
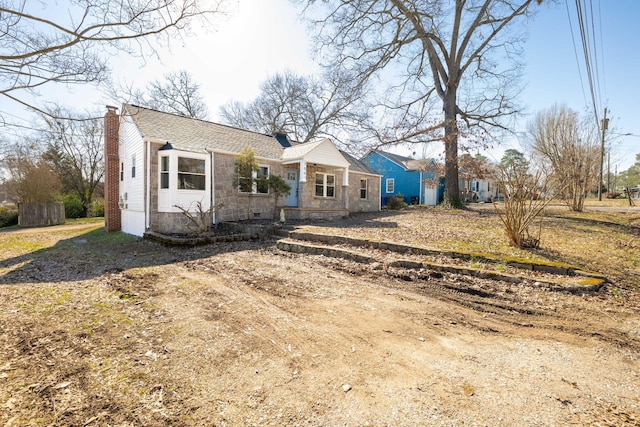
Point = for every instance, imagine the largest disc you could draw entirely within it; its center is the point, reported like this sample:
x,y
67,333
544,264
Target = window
x,y
122,171
391,185
363,188
133,166
191,174
262,185
325,185
258,184
244,183
164,172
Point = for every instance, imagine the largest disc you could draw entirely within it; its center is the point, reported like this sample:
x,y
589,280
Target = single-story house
x,y
417,180
157,163
478,189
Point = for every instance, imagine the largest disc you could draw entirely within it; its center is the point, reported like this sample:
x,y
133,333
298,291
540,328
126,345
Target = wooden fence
x,y
37,214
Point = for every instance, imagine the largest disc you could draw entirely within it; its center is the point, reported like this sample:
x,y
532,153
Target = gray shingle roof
x,y
198,135
406,162
356,165
191,134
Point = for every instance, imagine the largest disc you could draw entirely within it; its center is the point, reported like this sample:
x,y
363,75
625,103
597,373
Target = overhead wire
x,y
594,62
588,59
575,51
594,49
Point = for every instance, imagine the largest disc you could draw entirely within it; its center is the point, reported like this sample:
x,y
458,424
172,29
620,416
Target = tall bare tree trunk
x,y
452,188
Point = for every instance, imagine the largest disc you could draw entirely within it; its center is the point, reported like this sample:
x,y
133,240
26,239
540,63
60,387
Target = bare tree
x,y
175,93
28,178
75,151
526,195
445,53
38,48
568,146
305,108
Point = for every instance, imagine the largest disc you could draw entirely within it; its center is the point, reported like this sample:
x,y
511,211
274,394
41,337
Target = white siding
x,y
171,197
326,154
132,188
133,223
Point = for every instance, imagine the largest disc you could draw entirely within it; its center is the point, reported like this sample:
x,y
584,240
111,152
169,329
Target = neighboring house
x,y
155,162
417,180
477,190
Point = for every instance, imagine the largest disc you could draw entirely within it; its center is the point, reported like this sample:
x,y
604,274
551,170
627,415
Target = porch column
x,y
302,185
303,171
345,188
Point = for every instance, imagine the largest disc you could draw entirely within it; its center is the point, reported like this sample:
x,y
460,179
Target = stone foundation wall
x,y
171,222
154,216
372,201
233,205
308,199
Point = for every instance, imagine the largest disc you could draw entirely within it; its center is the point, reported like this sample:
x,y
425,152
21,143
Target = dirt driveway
x,y
244,334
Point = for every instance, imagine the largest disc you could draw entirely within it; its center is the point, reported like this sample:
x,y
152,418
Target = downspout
x,y
147,219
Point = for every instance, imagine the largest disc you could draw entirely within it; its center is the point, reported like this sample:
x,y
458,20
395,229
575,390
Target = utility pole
x,y
604,124
609,172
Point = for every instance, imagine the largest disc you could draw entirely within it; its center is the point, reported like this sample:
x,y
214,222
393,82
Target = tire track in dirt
x,y
501,304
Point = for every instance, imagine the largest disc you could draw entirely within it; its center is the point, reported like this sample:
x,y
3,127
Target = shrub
x,y
396,202
73,206
97,208
523,209
8,216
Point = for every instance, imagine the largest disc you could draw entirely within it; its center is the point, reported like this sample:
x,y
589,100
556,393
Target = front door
x,y
291,176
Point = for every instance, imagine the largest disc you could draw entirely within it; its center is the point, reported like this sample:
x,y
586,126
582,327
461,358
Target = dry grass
x,y
603,242
107,329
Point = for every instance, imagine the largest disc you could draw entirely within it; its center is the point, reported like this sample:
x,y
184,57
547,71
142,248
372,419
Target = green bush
x,y
8,216
97,208
73,206
396,202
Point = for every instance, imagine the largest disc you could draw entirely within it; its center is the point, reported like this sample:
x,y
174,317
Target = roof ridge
x,y
200,120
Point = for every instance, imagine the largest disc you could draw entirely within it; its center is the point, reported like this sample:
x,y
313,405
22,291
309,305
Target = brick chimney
x,y
111,171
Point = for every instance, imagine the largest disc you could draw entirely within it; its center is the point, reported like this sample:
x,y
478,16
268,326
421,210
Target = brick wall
x,y
111,171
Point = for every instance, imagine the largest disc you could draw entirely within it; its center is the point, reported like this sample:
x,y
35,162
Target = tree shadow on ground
x,y
95,253
357,220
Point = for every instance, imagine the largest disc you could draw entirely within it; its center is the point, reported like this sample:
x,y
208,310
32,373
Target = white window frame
x,y
266,171
190,173
133,166
325,185
255,175
169,198
390,185
365,188
165,173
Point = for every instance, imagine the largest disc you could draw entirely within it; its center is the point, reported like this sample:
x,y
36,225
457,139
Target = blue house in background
x,y
416,180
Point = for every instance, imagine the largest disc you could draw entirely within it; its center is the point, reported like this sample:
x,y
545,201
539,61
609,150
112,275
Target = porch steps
x,y
385,255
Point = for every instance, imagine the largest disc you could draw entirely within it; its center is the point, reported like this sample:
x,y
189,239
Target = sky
x,y
262,37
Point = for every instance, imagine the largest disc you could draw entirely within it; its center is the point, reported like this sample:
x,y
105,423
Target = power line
x,y
595,54
584,35
575,51
21,126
